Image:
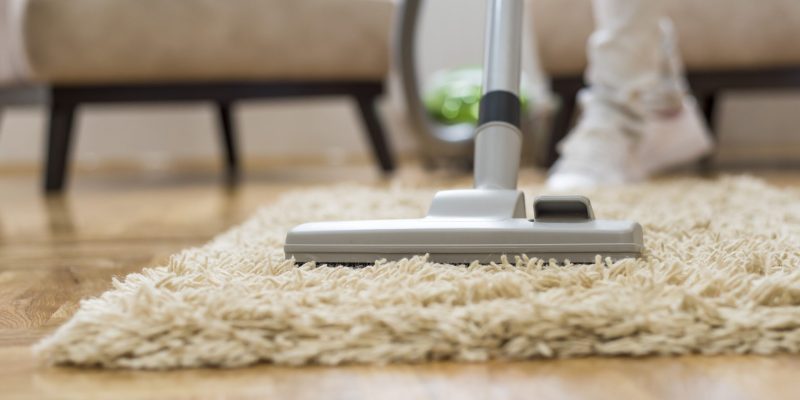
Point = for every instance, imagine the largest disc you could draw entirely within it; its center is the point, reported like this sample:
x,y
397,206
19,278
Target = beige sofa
x,y
81,51
726,45
714,34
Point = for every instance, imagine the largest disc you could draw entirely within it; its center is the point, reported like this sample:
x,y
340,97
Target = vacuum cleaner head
x,y
563,228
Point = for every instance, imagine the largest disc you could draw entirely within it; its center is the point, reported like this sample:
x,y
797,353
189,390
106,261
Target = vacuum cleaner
x,y
490,221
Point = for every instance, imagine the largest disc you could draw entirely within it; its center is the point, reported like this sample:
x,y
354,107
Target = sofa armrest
x,y
13,57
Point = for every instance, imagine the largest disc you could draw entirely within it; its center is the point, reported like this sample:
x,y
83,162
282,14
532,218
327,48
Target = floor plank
x,y
56,251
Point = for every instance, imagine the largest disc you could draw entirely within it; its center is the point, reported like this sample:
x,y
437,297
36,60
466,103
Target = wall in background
x,y
451,35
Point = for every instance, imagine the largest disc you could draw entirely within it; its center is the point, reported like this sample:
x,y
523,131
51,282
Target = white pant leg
x,y
632,60
624,50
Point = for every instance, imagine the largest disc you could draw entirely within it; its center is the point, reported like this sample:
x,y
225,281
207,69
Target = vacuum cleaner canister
x,y
563,228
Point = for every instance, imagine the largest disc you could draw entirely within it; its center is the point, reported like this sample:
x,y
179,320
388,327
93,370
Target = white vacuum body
x,y
490,221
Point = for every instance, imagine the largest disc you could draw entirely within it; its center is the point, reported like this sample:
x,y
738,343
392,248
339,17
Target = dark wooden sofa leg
x,y
59,140
709,106
374,129
562,122
228,136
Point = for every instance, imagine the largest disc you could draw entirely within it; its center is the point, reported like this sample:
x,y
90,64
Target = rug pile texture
x,y
721,274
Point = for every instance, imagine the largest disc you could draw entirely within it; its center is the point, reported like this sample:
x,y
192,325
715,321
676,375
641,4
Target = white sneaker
x,y
671,141
595,155
598,151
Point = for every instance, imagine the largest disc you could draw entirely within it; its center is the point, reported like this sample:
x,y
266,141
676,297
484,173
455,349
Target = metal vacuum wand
x,y
498,138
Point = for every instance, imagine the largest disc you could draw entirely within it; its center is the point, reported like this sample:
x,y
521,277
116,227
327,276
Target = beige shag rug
x,y
721,274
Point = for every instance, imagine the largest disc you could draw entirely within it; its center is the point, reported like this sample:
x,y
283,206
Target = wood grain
x,y
56,251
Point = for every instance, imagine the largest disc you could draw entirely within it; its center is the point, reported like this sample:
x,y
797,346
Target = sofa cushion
x,y
105,41
713,34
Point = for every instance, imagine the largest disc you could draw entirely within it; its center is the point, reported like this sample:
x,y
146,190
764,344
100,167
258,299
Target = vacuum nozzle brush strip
x,y
489,221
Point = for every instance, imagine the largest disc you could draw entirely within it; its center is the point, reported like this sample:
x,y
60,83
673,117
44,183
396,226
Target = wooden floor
x,y
55,251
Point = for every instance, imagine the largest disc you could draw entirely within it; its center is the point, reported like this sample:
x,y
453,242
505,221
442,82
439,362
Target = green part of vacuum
x,y
455,95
